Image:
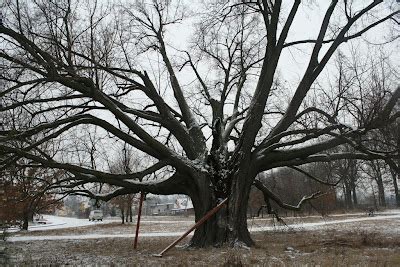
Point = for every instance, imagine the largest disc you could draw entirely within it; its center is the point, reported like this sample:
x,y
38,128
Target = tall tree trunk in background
x,y
130,208
122,214
26,215
25,222
353,191
381,191
347,195
395,175
355,201
31,217
378,177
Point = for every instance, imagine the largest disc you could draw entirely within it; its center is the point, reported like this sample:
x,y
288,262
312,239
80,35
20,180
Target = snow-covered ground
x,y
57,222
321,224
63,222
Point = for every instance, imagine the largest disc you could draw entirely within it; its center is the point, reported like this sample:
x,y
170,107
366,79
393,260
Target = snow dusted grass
x,y
114,228
352,240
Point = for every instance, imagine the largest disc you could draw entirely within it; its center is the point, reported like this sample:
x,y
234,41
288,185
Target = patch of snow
x,y
317,225
392,211
239,244
58,222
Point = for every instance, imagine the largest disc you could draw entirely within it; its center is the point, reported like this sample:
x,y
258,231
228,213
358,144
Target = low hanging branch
x,y
313,177
103,197
268,194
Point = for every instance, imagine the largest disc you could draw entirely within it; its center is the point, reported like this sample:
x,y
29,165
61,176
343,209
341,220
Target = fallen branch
x,y
270,195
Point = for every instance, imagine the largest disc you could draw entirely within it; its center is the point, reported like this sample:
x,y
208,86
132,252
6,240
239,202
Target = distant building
x,y
181,205
161,208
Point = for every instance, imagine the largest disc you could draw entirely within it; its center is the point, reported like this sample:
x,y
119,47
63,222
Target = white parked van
x,y
96,215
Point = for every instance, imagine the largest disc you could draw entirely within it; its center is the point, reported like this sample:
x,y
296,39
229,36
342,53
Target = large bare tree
x,y
209,116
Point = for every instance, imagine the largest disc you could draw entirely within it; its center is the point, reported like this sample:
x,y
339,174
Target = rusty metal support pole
x,y
200,222
138,219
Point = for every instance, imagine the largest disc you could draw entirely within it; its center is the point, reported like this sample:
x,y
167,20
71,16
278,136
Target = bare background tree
x,y
127,163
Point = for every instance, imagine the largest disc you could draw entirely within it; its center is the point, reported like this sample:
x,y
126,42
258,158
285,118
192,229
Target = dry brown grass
x,y
368,243
332,248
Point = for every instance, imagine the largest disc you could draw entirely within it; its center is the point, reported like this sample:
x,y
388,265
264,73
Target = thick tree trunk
x,y
237,208
228,225
204,199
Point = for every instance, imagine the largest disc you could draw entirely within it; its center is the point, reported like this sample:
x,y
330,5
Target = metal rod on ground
x,y
200,222
138,219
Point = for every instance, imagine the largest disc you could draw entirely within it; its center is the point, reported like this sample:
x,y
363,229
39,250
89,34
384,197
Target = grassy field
x,y
366,243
